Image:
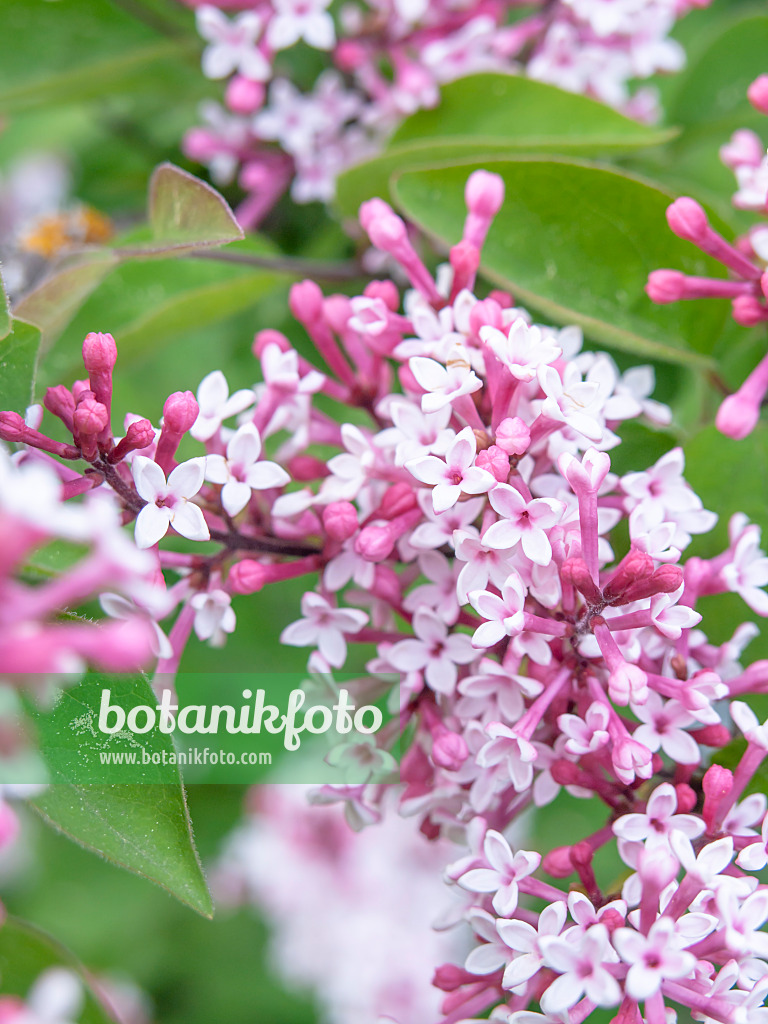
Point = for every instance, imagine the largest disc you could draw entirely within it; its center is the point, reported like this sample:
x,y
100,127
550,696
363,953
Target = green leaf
x,y
18,362
495,115
5,313
729,476
144,828
512,107
158,306
53,303
25,952
185,214
124,72
576,242
712,90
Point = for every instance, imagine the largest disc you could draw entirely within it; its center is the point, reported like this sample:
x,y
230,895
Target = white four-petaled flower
x,y
169,501
241,472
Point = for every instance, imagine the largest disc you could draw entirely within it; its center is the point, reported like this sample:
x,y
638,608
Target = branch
x,y
317,269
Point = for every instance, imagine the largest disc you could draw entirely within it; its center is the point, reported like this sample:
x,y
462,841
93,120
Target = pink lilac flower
x,y
570,662
383,60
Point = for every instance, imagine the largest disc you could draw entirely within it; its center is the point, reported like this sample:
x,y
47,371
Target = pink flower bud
x,y
340,520
140,434
375,543
688,220
665,286
686,798
180,412
495,461
484,194
61,402
757,94
576,572
398,498
306,301
566,773
636,565
244,96
717,782
90,418
349,55
307,467
374,209
513,436
449,750
557,862
12,427
386,291
449,977
387,585
247,577
99,353
388,232
736,417
665,580
748,311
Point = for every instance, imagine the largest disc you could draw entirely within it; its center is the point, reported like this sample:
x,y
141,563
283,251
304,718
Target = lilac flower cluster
x,y
745,261
388,59
533,607
377,953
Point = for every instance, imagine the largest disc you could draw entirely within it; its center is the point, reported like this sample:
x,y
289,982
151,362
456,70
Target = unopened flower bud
x,y
450,977
90,418
557,862
737,418
688,220
180,412
495,461
60,401
757,94
513,436
340,520
307,467
247,576
384,290
244,96
306,301
748,311
484,193
575,571
140,434
399,498
686,798
375,543
449,750
665,286
100,356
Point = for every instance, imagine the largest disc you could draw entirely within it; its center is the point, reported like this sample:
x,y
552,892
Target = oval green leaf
x,y
491,116
144,828
575,242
